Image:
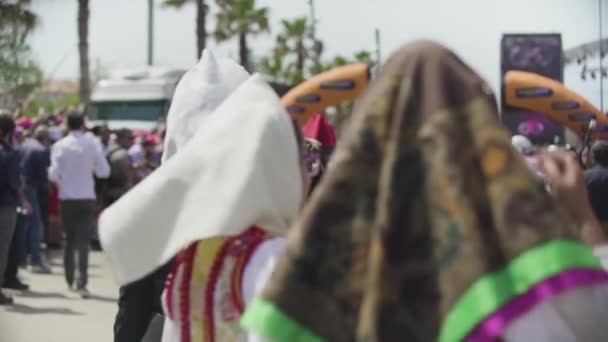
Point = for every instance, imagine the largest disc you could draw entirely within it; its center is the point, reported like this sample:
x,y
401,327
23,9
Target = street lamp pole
x,y
313,32
150,32
601,55
378,56
313,18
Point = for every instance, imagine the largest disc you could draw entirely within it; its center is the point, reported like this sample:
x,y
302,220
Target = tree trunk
x,y
244,50
201,24
300,61
83,50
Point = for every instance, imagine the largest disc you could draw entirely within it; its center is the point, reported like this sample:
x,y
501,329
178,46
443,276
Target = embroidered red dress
x,y
204,291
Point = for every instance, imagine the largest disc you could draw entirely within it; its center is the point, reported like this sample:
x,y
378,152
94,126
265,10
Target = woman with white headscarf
x,y
200,92
232,183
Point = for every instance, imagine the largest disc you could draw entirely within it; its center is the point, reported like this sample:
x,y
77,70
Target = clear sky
x,y
472,27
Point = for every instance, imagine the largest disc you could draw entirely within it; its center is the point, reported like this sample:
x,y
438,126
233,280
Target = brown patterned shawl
x,y
423,196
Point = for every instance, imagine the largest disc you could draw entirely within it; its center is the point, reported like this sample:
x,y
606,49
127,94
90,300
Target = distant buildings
x,y
50,94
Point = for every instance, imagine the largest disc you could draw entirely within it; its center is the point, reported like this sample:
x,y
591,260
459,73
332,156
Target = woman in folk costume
x,y
200,91
319,129
218,205
428,226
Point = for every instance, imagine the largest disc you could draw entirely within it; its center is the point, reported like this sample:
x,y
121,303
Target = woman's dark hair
x,y
7,125
97,130
75,121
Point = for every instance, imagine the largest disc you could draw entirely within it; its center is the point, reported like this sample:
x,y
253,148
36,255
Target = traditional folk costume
x,y
319,129
428,226
230,187
320,143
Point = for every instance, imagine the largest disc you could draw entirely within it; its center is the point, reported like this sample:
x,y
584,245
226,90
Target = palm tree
x,y
364,56
240,18
293,41
274,67
83,51
17,17
201,21
340,61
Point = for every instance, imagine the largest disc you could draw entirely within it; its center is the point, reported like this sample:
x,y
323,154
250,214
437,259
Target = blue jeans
x,y
34,226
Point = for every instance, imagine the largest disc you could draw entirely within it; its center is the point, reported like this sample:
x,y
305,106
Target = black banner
x,y
540,54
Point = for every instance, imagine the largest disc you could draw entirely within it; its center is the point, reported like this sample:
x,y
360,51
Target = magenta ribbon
x,y
497,323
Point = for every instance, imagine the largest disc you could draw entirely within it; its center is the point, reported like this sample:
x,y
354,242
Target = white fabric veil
x,y
240,169
200,91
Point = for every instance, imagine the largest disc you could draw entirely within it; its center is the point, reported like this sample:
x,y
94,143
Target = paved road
x,y
49,312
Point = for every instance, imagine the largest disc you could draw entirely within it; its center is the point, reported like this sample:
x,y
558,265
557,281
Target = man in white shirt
x,y
75,160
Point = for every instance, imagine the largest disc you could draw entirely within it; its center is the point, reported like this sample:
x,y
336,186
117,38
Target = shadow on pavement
x,y
102,299
60,274
34,294
59,263
29,310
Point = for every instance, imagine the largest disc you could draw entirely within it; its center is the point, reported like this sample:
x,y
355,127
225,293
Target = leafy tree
x,y
274,67
292,40
241,19
17,19
364,56
297,49
19,74
33,107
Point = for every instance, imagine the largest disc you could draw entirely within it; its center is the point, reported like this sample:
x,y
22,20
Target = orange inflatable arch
x,y
326,89
533,92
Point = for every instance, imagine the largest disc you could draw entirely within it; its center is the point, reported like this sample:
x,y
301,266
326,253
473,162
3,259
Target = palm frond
x,y
240,16
175,3
340,61
18,13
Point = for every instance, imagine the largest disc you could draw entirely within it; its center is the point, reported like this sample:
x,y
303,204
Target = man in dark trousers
x,y
35,163
11,194
35,158
138,303
11,275
75,160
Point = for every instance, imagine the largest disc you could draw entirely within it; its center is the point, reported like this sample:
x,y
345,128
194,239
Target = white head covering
x,y
240,169
200,91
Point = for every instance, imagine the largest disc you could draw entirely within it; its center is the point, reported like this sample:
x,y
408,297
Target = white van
x,y
135,98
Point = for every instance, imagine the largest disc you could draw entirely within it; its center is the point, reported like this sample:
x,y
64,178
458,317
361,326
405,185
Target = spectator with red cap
x,y
320,143
319,129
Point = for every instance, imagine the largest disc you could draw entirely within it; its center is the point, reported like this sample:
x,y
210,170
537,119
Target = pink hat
x,y
25,123
150,140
